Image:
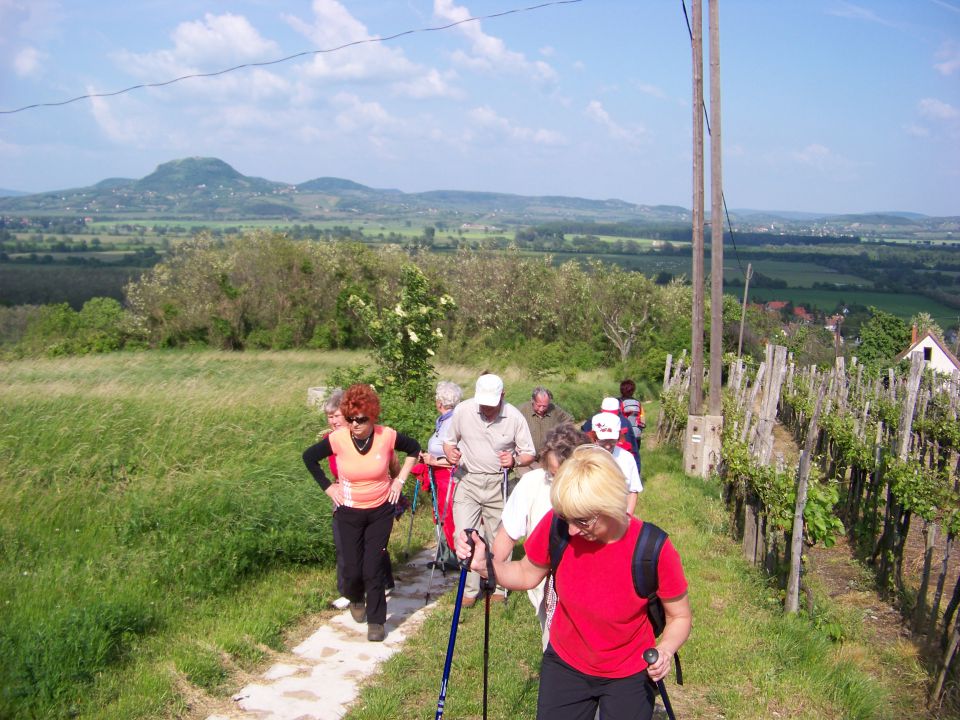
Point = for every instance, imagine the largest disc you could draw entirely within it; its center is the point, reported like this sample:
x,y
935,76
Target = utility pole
x,y
716,218
702,438
696,342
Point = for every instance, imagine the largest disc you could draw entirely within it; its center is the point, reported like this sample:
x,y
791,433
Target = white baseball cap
x,y
610,404
489,390
605,426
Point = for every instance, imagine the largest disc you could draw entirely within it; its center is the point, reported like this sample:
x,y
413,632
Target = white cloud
x,y
204,46
489,53
946,5
596,112
856,12
937,109
27,61
949,55
652,90
372,62
353,114
814,155
432,83
486,119
916,131
123,131
209,45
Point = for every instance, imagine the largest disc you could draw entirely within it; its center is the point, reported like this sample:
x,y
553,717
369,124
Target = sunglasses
x,y
583,523
357,420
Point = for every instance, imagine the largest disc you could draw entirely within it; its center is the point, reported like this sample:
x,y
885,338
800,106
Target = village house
x,y
936,354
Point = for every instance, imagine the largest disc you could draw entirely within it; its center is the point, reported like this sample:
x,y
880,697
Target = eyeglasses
x,y
584,523
357,420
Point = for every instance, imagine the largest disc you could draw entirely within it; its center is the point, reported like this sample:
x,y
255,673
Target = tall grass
x,y
133,487
146,499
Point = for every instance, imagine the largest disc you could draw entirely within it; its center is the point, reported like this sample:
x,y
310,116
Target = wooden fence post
x,y
796,541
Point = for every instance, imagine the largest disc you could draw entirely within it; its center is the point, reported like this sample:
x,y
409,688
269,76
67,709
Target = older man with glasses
x,y
486,438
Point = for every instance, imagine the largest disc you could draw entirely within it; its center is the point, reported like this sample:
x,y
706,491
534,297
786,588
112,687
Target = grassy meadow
x,y
158,532
160,541
139,491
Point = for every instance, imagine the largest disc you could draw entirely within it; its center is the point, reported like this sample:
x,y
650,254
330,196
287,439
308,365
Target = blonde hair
x,y
589,483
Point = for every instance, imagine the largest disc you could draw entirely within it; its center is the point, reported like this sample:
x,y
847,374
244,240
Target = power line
x,y
305,53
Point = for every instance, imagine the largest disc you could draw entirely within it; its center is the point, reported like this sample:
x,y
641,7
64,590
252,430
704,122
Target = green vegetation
x,y
903,305
136,487
159,537
744,660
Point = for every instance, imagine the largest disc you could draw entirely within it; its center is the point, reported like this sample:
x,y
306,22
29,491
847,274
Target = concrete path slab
x,y
321,679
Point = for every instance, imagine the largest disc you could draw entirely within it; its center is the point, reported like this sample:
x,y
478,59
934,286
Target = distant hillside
x,y
210,189
11,193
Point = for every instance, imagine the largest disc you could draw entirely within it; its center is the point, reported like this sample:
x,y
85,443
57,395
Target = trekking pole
x,y
506,473
488,586
651,657
413,510
436,528
464,566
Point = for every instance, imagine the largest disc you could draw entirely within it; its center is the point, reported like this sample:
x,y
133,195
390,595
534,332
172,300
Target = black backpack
x,y
646,556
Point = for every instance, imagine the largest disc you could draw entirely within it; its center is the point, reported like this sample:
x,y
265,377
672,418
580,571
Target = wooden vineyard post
x,y
762,445
796,540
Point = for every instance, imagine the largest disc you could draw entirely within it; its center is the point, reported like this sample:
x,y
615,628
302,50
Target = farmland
x,y
75,262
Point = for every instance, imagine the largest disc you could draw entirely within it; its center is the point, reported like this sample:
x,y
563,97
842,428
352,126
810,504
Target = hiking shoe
x,y
358,611
498,598
375,632
468,602
341,603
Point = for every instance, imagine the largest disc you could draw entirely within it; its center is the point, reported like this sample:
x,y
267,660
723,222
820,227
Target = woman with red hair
x,y
365,497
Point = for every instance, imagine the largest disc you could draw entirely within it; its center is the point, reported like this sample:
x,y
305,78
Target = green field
x,y
902,305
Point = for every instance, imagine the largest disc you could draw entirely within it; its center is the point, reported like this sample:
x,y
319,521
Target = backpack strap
x,y
559,539
646,557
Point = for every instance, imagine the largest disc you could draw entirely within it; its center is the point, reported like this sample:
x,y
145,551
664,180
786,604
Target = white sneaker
x,y
341,603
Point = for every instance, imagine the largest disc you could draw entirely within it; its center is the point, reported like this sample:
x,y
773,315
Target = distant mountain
x,y
210,189
12,193
178,176
334,185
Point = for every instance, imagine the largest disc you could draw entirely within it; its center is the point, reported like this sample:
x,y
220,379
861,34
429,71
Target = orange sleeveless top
x,y
365,478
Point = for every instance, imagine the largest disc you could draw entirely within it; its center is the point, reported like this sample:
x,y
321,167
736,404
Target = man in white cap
x,y
485,437
607,431
628,440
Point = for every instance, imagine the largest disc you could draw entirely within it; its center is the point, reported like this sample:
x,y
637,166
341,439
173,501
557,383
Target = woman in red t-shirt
x,y
600,627
365,497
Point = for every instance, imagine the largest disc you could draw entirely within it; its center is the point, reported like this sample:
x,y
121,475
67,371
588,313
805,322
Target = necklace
x,y
362,445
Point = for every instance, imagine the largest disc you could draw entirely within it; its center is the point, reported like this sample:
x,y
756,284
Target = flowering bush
x,y
405,337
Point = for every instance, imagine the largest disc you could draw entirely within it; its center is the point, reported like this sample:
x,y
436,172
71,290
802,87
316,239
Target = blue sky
x,y
828,105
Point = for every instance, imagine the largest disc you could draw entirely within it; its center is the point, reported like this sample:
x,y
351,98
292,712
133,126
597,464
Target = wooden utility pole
x,y
701,449
716,218
696,343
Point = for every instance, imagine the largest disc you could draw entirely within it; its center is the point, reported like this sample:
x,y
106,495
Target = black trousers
x,y
364,534
568,694
337,543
